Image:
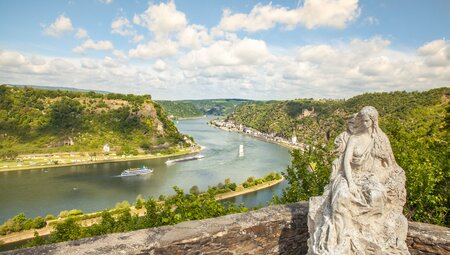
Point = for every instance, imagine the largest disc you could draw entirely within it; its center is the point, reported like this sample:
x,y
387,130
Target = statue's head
x,y
367,118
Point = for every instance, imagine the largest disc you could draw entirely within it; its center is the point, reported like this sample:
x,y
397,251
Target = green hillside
x,y
41,121
321,120
181,109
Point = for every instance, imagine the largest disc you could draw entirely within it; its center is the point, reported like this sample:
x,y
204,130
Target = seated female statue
x,y
361,209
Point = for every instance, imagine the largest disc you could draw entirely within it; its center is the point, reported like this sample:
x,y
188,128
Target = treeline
x,y
21,222
36,120
417,124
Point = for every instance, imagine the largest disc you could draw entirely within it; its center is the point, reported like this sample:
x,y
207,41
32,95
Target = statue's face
x,y
366,121
363,122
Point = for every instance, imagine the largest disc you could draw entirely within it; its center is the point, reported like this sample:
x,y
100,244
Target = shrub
x,y
139,202
39,222
63,214
49,217
74,212
122,205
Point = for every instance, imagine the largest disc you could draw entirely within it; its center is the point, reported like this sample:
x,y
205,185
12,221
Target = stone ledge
x,y
270,230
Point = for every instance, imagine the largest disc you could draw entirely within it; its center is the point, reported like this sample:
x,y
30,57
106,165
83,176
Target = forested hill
x,y
196,108
322,120
181,109
42,121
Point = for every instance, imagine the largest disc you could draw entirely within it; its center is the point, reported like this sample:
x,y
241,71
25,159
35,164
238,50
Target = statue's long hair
x,y
381,146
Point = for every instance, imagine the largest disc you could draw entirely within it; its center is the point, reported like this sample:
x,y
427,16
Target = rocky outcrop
x,y
271,230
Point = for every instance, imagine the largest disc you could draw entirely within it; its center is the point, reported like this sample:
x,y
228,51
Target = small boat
x,y
136,171
168,162
241,150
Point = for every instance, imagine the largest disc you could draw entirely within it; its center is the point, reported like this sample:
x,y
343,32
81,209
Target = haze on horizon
x,y
227,49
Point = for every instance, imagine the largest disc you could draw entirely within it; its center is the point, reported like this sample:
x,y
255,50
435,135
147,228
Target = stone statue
x,y
360,211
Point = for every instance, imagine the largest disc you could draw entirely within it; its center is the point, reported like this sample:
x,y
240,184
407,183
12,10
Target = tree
x,y
37,240
307,175
66,230
194,190
9,154
139,202
66,114
420,145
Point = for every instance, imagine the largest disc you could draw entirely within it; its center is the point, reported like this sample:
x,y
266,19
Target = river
x,y
90,188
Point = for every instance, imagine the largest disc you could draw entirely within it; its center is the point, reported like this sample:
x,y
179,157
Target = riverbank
x,y
37,161
231,127
28,234
190,118
249,189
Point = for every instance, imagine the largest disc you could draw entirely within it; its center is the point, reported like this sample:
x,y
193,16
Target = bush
x,y
9,154
139,202
75,212
194,190
49,217
122,205
21,222
39,222
67,230
63,214
232,186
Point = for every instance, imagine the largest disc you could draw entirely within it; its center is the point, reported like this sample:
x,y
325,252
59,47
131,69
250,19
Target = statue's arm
x,y
347,159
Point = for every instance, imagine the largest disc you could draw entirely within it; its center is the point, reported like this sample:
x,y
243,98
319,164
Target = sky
x,y
192,49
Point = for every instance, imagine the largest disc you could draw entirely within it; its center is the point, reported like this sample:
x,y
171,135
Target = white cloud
x,y
95,45
89,63
160,65
81,34
162,19
194,36
110,63
432,48
227,53
120,55
61,26
11,58
436,53
330,13
154,49
121,26
313,14
137,38
106,1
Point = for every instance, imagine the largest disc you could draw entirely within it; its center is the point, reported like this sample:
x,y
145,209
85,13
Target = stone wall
x,y
271,230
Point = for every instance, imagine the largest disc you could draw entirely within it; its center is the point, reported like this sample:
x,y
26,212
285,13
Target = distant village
x,y
240,128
